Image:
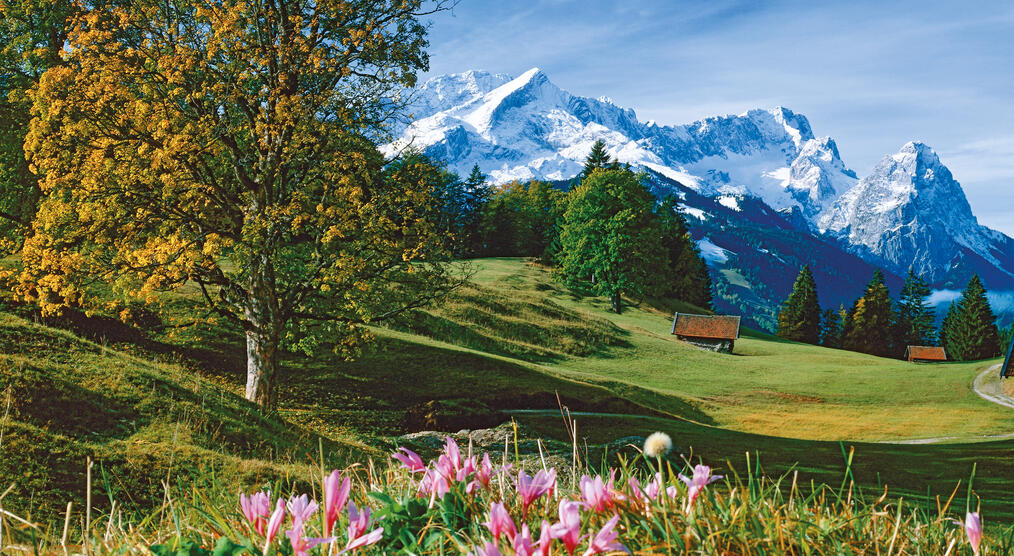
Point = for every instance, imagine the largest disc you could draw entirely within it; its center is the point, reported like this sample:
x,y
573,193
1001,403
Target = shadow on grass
x,y
396,374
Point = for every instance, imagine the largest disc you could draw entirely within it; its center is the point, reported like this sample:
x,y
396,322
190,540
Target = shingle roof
x,y
926,353
706,326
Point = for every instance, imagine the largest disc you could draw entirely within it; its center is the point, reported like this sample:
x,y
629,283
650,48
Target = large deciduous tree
x,y
231,144
610,242
32,36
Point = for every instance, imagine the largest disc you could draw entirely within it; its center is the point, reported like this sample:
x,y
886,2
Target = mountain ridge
x,y
909,212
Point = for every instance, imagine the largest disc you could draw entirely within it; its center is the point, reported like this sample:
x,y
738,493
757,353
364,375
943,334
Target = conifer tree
x,y
915,316
1006,338
950,317
477,193
799,318
687,276
972,333
873,321
831,325
598,159
701,294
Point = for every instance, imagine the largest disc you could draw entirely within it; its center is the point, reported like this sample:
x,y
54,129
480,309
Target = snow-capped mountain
x,y
764,195
528,128
911,212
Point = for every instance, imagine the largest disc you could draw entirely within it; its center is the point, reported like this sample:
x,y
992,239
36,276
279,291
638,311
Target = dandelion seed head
x,y
658,444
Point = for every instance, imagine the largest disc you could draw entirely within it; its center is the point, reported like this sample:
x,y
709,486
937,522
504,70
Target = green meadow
x,y
164,404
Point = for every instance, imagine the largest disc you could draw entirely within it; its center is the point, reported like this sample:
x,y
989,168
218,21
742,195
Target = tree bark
x,y
616,302
261,369
263,336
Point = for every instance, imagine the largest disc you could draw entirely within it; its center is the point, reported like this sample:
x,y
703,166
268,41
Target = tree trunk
x,y
616,302
261,369
263,335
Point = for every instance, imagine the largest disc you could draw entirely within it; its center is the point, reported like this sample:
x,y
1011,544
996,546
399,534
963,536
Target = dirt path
x,y
988,386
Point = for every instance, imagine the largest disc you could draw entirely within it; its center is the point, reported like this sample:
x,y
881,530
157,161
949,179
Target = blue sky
x,y
872,75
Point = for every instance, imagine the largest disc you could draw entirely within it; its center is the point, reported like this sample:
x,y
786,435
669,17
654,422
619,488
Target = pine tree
x,y
973,333
477,193
873,321
598,159
701,294
1006,338
687,276
799,318
831,326
916,318
947,326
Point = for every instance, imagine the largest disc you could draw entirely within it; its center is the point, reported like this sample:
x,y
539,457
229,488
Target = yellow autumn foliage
x,y
231,145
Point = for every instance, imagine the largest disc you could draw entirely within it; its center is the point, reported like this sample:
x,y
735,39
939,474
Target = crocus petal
x,y
336,494
973,528
568,529
499,522
372,537
545,538
605,539
274,524
410,460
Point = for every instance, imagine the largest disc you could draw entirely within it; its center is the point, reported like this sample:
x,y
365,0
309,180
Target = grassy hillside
x,y
64,399
513,340
767,386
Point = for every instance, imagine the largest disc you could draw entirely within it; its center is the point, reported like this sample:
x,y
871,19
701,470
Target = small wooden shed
x,y
1008,362
925,354
713,333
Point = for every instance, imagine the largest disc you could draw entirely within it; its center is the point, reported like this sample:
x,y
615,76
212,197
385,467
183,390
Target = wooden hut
x,y
925,354
713,333
1008,362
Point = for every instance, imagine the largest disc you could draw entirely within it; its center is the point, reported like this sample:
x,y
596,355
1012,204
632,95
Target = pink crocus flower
x,y
301,545
644,493
973,528
568,529
605,539
523,544
256,509
702,478
594,493
359,522
301,507
434,484
483,474
500,523
336,494
274,524
466,470
453,453
372,537
545,538
532,488
410,460
488,549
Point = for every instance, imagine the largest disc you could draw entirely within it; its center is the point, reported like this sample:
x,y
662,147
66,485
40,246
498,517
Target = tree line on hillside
x,y
607,235
878,325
